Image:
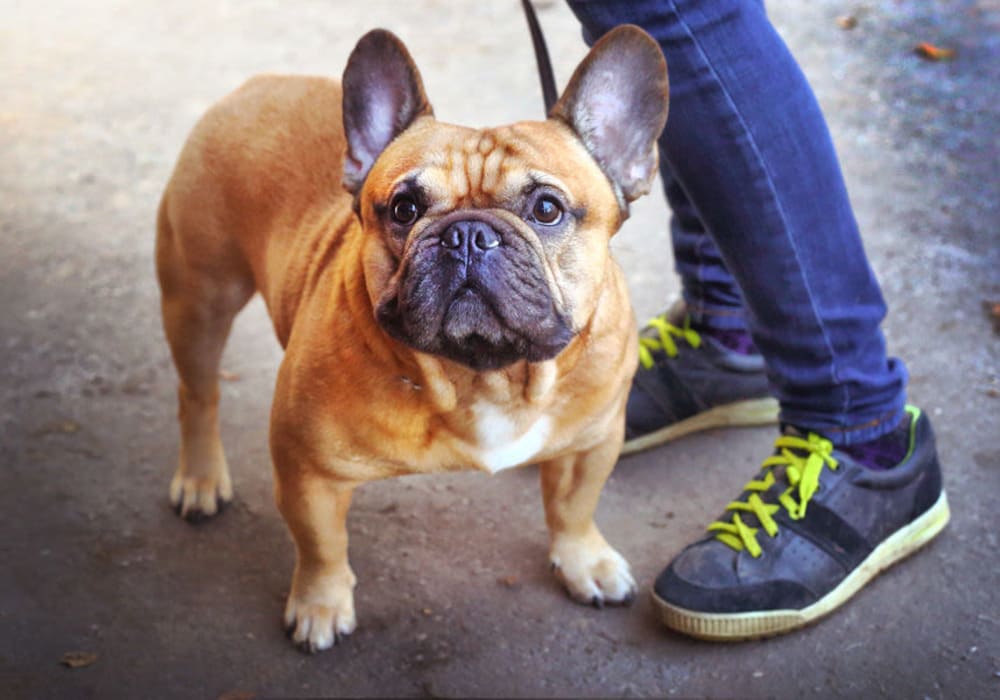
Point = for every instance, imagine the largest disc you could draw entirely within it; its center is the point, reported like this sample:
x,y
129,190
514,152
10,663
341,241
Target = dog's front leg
x,y
320,608
590,569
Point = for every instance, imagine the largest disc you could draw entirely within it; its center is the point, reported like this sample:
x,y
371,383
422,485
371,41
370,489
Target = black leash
x,y
545,73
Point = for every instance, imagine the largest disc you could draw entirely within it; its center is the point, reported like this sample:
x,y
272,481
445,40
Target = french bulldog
x,y
445,297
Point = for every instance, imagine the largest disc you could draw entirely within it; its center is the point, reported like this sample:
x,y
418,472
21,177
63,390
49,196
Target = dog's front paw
x,y
199,497
321,618
592,571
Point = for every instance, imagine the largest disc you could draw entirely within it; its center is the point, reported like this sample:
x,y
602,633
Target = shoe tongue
x,y
780,480
779,473
789,431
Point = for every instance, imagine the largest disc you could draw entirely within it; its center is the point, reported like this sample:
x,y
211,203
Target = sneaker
x,y
689,381
806,534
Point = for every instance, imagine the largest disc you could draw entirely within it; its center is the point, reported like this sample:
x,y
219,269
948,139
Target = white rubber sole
x,y
742,413
754,625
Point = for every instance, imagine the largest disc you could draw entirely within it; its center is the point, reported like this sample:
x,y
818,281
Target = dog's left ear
x,y
383,95
616,102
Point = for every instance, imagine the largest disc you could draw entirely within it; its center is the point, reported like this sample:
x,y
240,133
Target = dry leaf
x,y
847,22
236,695
78,659
62,427
509,581
992,309
933,53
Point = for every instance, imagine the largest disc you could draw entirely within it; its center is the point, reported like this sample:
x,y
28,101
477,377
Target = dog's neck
x,y
444,381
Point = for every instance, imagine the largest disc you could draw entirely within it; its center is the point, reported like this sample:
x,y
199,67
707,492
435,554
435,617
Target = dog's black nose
x,y
470,237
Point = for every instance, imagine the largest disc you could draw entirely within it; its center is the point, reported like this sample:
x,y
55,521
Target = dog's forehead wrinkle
x,y
477,166
489,167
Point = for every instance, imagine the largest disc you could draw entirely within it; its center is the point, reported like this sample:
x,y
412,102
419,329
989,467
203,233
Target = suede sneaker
x,y
807,533
689,381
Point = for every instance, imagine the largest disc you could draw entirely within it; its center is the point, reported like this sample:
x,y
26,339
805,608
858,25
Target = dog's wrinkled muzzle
x,y
474,290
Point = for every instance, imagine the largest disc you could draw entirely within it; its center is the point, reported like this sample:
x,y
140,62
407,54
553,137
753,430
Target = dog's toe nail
x,y
628,599
597,601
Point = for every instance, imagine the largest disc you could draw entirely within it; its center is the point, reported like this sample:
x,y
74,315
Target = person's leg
x,y
712,299
749,148
711,296
750,151
698,366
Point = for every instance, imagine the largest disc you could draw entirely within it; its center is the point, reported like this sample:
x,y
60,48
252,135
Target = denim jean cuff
x,y
854,434
720,318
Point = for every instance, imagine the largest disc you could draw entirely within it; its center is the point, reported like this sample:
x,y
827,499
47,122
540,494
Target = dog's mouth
x,y
473,290
469,319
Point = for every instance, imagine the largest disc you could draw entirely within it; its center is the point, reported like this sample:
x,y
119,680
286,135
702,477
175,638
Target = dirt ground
x,y
455,598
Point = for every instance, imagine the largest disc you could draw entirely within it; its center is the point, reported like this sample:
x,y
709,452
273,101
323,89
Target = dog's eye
x,y
404,210
547,210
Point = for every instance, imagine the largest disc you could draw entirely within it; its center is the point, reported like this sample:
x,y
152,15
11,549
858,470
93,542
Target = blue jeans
x,y
763,232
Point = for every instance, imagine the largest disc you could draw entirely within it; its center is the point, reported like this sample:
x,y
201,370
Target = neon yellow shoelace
x,y
803,460
665,342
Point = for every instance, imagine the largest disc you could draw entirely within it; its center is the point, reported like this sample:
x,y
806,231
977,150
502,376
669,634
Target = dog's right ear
x,y
383,95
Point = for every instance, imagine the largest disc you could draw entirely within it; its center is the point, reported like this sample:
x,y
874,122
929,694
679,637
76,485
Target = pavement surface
x,y
455,598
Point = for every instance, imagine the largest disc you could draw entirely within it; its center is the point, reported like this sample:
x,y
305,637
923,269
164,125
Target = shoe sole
x,y
734,627
741,413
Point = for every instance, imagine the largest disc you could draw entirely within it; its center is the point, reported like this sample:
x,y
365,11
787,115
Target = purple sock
x,y
883,452
736,339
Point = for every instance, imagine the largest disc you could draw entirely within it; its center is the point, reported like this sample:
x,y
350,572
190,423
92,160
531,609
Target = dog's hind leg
x,y
201,293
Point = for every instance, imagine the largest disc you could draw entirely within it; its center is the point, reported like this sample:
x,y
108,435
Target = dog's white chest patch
x,y
500,444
